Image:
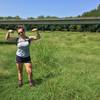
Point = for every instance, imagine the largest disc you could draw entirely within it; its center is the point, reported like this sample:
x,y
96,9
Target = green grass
x,y
66,66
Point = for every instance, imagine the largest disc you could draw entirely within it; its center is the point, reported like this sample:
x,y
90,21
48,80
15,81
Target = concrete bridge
x,y
87,20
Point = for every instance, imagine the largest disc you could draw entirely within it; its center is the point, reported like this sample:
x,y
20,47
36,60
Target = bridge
x,y
73,20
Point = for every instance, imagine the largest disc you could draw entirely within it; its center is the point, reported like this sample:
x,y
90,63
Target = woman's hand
x,y
34,29
10,31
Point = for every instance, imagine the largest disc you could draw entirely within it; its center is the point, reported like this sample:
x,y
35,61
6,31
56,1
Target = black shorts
x,y
23,60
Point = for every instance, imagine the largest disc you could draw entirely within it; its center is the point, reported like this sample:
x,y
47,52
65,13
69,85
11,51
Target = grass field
x,y
66,66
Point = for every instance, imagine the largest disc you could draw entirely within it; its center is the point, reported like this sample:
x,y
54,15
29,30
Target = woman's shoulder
x,y
27,39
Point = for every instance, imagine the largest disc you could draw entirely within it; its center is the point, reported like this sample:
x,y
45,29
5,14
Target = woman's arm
x,y
8,36
35,37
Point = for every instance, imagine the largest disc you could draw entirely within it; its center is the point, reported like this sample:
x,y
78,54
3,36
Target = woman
x,y
23,53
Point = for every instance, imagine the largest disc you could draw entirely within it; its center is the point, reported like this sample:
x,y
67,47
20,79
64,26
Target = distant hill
x,y
92,13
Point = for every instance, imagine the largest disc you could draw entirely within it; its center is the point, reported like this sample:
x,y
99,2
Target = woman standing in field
x,y
23,53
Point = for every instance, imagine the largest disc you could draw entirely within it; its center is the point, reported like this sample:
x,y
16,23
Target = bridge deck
x,y
91,20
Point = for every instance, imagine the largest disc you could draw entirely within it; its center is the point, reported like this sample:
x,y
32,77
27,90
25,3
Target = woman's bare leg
x,y
20,73
29,72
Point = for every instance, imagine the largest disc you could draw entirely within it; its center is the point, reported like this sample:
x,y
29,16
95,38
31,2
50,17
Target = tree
x,y
98,7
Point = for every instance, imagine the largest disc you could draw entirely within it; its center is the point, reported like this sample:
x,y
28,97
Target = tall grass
x,y
66,66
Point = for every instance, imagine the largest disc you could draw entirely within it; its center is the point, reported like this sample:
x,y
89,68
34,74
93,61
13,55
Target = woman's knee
x,y
20,71
20,68
28,68
29,71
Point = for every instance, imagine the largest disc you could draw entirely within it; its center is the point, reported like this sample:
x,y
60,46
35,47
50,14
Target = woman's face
x,y
21,31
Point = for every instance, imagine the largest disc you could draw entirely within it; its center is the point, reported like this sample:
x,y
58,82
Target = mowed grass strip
x,y
66,66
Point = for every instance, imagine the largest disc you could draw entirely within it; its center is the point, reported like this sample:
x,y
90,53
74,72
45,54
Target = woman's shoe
x,y
20,83
31,83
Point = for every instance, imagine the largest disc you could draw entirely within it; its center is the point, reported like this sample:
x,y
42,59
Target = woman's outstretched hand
x,y
10,31
34,29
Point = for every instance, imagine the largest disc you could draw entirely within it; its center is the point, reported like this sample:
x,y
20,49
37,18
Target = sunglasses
x,y
19,33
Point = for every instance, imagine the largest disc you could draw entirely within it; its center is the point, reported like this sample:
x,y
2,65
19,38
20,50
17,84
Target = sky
x,y
35,8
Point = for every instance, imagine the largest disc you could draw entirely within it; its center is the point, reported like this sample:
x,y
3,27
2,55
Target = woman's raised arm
x,y
8,34
37,36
